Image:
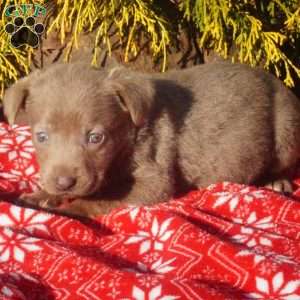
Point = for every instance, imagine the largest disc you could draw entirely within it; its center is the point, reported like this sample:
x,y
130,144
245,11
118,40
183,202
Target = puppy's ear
x,y
14,102
135,94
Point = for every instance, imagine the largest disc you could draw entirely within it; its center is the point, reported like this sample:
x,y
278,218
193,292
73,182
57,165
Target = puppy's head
x,y
82,119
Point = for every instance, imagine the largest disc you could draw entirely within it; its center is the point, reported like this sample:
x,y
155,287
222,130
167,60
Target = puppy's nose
x,y
64,183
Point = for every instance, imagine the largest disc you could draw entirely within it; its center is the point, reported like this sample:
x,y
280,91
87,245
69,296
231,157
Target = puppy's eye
x,y
95,138
41,137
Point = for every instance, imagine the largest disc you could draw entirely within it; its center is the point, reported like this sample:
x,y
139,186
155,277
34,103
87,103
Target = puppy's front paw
x,y
41,199
90,208
281,186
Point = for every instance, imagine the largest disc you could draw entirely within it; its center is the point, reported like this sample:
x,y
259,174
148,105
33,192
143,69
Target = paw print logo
x,y
24,31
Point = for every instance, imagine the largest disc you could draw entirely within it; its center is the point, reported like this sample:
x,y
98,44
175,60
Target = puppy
x,y
111,137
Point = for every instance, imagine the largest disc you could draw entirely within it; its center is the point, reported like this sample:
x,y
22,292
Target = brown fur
x,y
164,133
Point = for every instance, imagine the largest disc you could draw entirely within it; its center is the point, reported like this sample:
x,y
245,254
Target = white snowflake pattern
x,y
114,293
78,270
243,210
227,197
267,268
252,237
148,280
21,164
154,294
75,233
154,239
158,267
264,223
233,198
118,227
251,195
144,214
100,285
26,179
39,261
21,147
203,237
145,219
113,286
14,246
189,236
26,218
79,234
122,251
13,267
63,276
21,130
208,271
276,289
151,257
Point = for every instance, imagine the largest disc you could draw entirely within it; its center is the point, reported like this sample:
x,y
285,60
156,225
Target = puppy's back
x,y
243,123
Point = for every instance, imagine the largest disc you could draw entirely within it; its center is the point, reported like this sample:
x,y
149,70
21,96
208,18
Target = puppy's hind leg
x,y
286,140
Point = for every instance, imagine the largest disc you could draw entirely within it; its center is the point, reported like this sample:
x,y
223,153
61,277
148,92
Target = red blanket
x,y
228,241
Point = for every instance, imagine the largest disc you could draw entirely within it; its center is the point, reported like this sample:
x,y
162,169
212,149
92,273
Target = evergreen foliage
x,y
249,31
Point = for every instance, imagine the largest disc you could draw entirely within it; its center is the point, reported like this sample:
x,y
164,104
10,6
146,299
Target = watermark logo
x,y
23,28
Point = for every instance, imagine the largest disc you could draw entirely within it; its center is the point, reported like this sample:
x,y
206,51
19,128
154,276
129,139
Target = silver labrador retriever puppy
x,y
107,137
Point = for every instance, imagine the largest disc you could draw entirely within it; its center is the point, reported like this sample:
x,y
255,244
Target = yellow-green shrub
x,y
253,32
